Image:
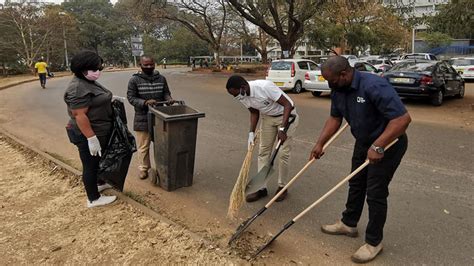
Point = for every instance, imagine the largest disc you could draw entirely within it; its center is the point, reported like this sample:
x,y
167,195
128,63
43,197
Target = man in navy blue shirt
x,y
376,116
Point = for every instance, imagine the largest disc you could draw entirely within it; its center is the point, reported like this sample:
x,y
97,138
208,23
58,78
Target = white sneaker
x,y
103,200
104,187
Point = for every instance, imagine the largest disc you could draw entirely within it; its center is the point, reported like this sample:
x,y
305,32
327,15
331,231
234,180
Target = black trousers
x,y
90,167
372,183
42,78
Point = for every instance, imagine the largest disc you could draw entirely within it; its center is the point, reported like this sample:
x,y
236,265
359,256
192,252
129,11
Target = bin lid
x,y
176,112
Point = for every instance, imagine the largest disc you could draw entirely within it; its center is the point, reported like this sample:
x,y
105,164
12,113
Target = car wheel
x,y
437,98
316,93
460,95
297,88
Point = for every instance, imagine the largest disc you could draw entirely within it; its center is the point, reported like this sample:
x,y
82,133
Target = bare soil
x,y
45,220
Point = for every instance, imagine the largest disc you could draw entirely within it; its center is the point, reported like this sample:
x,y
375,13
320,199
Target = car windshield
x,y
281,65
376,61
462,62
413,67
415,56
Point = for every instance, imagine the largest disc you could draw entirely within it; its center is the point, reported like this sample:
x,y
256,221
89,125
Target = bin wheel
x,y
154,177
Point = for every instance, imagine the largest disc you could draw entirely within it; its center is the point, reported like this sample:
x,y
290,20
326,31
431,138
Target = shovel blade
x,y
259,181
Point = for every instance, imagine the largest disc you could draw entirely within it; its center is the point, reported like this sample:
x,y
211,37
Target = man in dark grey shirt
x,y
146,88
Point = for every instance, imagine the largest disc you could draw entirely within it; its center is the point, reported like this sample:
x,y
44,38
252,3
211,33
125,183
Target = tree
x,y
65,32
436,39
357,25
455,19
29,31
286,19
256,38
179,47
101,29
204,18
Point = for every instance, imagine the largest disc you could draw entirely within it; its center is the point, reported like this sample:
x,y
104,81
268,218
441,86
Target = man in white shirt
x,y
268,102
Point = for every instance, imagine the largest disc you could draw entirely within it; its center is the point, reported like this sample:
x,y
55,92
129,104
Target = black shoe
x,y
283,195
256,195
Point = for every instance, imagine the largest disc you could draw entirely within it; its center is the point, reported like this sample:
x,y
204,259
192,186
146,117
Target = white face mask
x,y
240,96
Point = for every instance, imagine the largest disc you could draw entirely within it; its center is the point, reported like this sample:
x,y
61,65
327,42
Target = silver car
x,y
464,66
316,84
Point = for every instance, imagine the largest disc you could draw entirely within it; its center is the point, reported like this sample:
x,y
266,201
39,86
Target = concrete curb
x,y
27,81
146,210
59,76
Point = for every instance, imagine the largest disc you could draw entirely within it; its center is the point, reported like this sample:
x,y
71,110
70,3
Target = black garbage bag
x,y
115,160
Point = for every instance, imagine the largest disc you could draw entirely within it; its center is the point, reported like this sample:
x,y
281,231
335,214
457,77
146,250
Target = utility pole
x,y
65,48
241,51
66,60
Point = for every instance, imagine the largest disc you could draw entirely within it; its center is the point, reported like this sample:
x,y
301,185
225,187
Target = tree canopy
x,y
455,19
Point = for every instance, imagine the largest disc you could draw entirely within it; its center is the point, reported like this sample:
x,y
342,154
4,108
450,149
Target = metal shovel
x,y
260,179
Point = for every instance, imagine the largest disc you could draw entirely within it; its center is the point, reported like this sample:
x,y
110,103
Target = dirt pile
x,y
44,219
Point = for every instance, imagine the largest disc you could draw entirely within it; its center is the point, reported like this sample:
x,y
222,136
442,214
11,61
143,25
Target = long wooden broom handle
x,y
306,166
355,172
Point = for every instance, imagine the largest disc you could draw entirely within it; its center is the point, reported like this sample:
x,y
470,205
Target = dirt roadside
x,y
44,220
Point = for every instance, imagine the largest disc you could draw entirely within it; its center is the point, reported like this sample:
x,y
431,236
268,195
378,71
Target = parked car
x,y
315,82
464,66
289,73
365,67
350,57
426,79
421,56
383,64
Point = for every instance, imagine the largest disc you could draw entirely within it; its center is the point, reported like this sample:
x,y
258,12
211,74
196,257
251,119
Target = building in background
x,y
304,50
33,2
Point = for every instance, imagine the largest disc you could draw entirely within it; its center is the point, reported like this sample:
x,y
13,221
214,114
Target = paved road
x,y
431,216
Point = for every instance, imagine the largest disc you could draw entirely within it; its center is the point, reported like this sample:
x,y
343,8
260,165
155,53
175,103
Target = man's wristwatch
x,y
379,150
281,129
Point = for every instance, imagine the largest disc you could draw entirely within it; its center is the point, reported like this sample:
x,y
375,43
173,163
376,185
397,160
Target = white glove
x,y
94,146
118,98
250,141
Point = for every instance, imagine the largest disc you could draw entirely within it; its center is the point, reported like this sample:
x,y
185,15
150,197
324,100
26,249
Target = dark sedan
x,y
428,79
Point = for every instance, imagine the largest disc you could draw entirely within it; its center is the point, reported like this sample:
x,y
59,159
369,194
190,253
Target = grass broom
x,y
237,197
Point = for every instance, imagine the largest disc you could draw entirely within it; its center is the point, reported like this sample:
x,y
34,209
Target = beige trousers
x,y
268,138
143,149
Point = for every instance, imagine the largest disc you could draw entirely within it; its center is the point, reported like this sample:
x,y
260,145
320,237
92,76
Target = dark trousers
x,y
372,182
42,78
90,167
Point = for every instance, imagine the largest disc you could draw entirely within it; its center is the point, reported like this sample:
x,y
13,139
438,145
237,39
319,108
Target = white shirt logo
x,y
360,100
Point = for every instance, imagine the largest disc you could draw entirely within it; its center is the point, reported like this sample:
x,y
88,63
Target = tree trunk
x,y
286,46
5,73
217,57
264,55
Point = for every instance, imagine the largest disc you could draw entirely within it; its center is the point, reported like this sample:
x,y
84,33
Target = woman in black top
x,y
90,110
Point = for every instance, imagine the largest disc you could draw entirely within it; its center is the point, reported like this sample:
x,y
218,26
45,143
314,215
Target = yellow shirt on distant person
x,y
41,66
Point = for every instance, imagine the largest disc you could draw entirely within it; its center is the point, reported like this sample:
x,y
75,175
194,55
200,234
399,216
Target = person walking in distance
x,y
164,62
41,69
145,89
377,117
